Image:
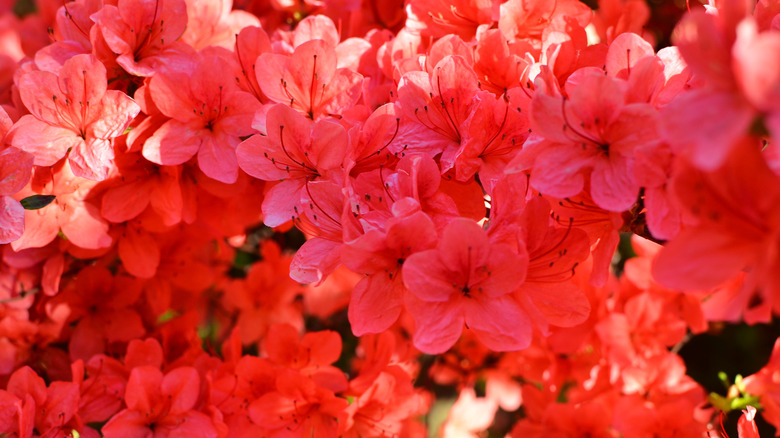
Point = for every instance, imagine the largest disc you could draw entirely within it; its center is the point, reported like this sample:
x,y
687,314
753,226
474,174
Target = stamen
x,y
560,242
298,163
314,203
385,186
571,127
69,16
379,151
628,61
312,88
503,122
241,63
449,117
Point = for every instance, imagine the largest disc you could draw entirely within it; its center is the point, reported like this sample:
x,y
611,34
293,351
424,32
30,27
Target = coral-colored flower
x,y
528,19
555,250
602,227
251,42
265,297
500,66
377,299
493,135
438,18
299,406
384,395
15,171
466,280
736,228
616,17
309,80
214,23
163,405
722,49
294,152
591,132
144,32
436,105
72,211
325,216
209,114
73,111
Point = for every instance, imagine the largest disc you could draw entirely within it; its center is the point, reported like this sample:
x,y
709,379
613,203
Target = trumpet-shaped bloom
x,y
15,169
592,132
71,212
161,405
308,80
73,111
377,299
143,33
208,115
737,228
466,280
294,152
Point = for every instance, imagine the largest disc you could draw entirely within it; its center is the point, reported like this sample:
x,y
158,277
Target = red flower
x,y
71,212
308,80
160,405
73,111
294,152
298,407
99,322
592,132
144,32
377,299
15,170
208,115
747,424
51,408
466,280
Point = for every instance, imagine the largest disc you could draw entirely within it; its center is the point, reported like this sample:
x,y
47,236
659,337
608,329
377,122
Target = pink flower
x,y
73,111
466,280
144,33
15,169
592,132
294,152
208,115
308,80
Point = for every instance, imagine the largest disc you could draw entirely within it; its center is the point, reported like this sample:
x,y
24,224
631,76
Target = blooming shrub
x,y
387,218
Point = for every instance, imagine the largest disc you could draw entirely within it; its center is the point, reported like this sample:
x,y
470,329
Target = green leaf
x,y
167,316
35,202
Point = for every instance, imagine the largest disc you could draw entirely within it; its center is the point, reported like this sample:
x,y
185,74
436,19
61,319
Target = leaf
x,y
167,316
36,202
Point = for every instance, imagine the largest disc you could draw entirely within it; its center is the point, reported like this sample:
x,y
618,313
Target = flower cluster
x,y
462,172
